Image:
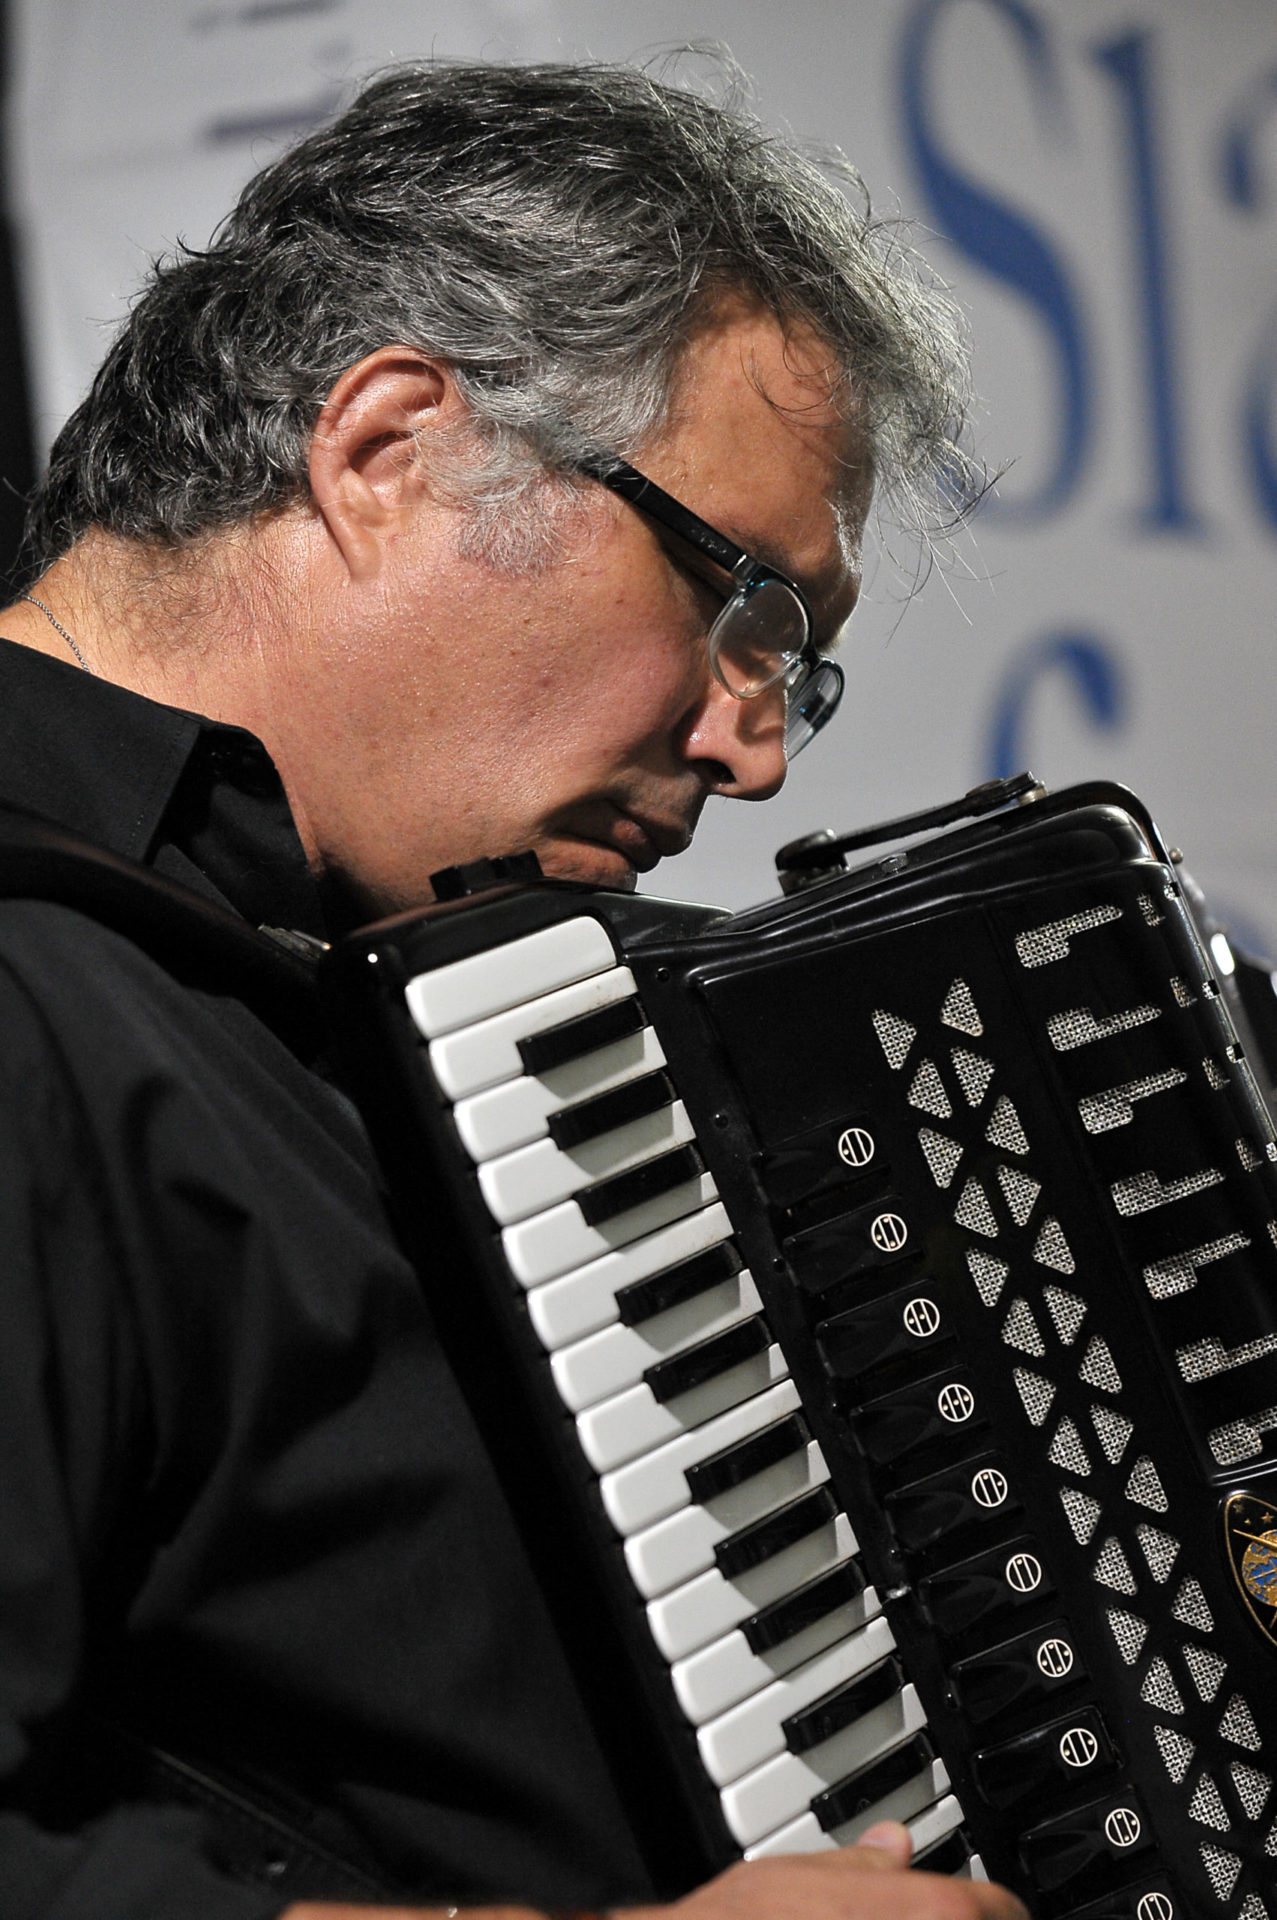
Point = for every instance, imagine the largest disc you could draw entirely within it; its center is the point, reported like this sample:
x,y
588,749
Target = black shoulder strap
x,y
195,940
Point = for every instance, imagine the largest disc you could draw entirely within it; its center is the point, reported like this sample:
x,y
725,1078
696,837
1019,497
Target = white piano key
x,y
747,1735
721,1675
804,1835
502,977
533,1178
674,1550
927,1791
518,1111
975,1868
479,1056
785,1786
709,1605
559,1239
608,1362
934,1826
563,1310
636,1422
646,1490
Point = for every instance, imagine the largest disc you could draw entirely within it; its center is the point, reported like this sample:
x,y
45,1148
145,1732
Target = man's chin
x,y
589,861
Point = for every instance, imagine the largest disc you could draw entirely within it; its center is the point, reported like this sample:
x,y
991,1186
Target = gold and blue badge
x,y
1250,1532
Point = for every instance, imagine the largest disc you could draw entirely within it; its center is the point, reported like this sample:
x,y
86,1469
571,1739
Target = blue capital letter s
x,y
1001,242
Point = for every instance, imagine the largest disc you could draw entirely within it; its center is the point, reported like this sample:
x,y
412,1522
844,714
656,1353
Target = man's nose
x,y
740,743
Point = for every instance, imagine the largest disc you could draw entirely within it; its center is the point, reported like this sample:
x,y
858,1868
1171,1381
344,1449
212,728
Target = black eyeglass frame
x,y
808,668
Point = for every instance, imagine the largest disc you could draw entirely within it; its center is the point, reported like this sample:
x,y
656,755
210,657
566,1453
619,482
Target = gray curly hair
x,y
555,233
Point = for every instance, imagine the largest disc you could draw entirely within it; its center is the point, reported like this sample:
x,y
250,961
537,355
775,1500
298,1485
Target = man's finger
x,y
885,1845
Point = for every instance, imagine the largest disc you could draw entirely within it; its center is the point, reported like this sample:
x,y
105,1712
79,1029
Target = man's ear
x,y
365,473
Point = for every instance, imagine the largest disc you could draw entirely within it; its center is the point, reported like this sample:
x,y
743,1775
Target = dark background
x,y
17,453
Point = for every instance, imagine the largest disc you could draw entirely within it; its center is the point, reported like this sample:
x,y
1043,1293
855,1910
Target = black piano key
x,y
898,1325
1073,1748
773,1625
923,1413
1081,1848
606,1111
555,1046
841,1707
1020,1672
753,1544
860,1791
741,1462
642,1299
695,1365
950,1504
626,1190
1132,1902
852,1243
1001,1578
818,1161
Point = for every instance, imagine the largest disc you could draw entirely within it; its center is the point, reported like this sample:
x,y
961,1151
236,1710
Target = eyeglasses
x,y
763,636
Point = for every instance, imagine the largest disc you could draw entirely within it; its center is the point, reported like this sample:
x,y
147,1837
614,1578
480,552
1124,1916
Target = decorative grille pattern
x,y
1113,1569
1159,1689
1041,945
1102,1112
1207,1669
1004,1129
1036,1393
1221,1866
1113,1431
1067,1310
1206,1358
1083,1514
1177,1751
955,1087
927,1092
1066,1449
1020,1191
959,1010
988,1273
1190,1607
1241,1439
974,1212
1144,1192
895,1036
1130,1633
1097,1368
1252,1908
941,1154
1079,1026
1144,1487
1238,1725
974,1074
1051,1249
1020,1330
1159,1549
1179,1274
1253,1787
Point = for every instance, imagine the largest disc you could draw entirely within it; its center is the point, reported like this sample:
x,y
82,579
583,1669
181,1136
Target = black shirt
x,y
266,1630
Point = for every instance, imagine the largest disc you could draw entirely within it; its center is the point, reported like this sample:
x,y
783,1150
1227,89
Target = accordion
x,y
870,1301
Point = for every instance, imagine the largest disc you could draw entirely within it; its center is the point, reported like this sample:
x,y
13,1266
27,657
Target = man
x,y
337,582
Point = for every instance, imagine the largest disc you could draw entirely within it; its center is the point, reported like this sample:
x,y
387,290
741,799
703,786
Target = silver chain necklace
x,y
54,622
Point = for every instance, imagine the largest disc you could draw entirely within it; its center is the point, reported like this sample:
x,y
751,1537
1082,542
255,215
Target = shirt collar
x,y
199,801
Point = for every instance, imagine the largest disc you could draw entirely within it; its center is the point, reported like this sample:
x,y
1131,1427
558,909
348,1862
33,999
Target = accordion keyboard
x,y
775,1642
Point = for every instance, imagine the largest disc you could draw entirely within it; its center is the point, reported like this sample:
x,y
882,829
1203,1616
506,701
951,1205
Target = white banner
x,y
1104,175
